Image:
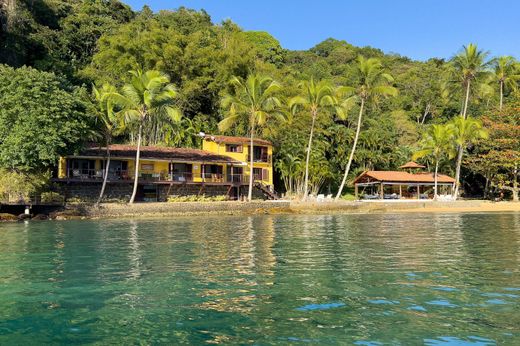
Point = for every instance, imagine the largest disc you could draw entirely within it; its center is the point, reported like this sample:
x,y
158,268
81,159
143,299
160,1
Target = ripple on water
x,y
442,302
325,306
270,279
455,341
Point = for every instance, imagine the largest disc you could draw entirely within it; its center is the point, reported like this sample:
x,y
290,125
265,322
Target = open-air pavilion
x,y
399,184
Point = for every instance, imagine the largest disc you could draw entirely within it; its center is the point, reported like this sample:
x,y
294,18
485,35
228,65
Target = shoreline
x,y
168,210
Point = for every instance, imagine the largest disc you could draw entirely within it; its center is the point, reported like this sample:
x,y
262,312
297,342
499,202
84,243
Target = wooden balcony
x,y
91,175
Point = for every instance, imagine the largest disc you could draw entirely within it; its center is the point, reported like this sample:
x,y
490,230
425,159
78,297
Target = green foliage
x,y
194,198
93,42
267,47
51,197
56,35
18,186
41,118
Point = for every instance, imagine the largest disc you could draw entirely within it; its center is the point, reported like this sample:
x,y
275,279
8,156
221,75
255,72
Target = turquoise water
x,y
405,279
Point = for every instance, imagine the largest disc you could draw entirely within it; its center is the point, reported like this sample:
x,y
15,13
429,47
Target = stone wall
x,y
109,210
88,191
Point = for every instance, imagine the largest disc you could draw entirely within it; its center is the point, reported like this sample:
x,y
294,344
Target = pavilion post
x,y
382,192
418,191
400,192
356,191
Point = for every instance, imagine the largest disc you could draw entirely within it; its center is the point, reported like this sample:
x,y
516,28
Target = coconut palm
x,y
149,94
253,100
465,132
314,97
470,64
507,74
437,143
372,83
109,122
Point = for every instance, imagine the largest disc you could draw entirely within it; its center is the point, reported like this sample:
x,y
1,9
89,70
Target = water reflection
x,y
404,278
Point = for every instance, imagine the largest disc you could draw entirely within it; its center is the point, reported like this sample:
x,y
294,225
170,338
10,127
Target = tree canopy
x,y
41,118
70,46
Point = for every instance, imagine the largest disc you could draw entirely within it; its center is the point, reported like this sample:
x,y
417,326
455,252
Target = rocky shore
x,y
144,210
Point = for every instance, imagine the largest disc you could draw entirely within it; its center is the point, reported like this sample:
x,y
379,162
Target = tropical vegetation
x,y
332,111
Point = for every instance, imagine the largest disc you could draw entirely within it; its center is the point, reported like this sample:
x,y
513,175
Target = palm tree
x,y
465,132
253,100
507,74
436,143
149,94
315,96
109,124
470,64
372,84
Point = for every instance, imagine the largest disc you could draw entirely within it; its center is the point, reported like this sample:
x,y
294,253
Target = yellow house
x,y
238,148
222,165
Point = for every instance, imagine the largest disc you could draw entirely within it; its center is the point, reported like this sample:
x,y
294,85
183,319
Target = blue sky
x,y
419,29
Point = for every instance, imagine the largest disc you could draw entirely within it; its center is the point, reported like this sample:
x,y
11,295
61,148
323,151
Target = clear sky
x,y
419,29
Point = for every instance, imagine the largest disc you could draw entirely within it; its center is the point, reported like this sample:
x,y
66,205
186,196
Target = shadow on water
x,y
439,279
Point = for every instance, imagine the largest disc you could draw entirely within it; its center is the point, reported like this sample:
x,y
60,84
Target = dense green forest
x,y
54,53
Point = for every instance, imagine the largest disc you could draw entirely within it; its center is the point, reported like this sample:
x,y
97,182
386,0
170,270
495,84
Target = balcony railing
x,y
259,158
98,175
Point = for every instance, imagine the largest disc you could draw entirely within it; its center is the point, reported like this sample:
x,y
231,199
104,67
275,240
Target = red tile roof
x,y
158,153
412,164
236,140
401,177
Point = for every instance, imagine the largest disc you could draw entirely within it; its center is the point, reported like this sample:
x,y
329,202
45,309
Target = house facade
x,y
221,167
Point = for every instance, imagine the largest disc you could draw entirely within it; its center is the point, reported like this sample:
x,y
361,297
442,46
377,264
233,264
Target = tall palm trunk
x,y
515,184
501,95
435,178
466,101
347,169
105,176
306,184
251,162
457,171
137,155
461,148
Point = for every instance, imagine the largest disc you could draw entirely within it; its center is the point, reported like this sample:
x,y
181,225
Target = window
x,y
147,166
260,154
257,173
233,148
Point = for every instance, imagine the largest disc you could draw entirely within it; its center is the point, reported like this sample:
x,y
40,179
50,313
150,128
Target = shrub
x,y
19,186
195,198
52,197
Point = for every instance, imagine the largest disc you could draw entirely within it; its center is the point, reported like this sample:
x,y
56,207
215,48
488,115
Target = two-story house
x,y
221,167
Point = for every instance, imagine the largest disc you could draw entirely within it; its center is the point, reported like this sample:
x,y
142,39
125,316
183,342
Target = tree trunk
x,y
251,159
515,185
306,184
501,95
347,169
105,177
486,188
137,155
457,172
426,111
435,178
464,112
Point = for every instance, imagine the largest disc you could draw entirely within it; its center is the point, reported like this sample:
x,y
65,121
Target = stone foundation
x,y
88,191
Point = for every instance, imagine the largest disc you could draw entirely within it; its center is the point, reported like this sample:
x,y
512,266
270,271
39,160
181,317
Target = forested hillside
x,y
53,52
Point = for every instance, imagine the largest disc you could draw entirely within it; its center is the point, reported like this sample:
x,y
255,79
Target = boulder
x,y
7,217
40,217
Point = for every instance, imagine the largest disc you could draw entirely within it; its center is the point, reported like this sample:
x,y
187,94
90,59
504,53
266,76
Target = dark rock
x,y
24,216
40,217
7,217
